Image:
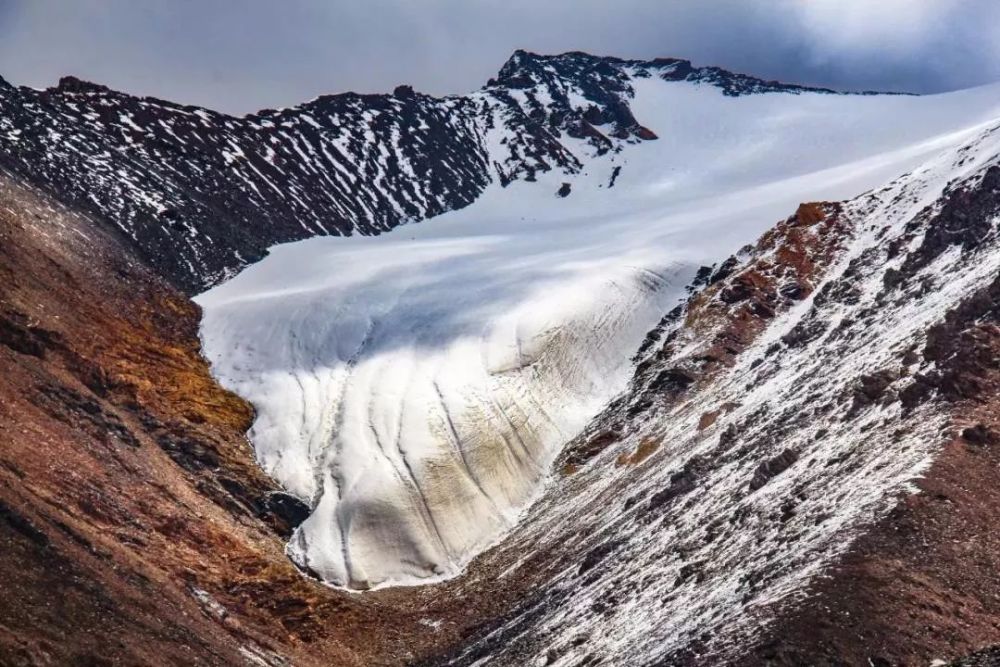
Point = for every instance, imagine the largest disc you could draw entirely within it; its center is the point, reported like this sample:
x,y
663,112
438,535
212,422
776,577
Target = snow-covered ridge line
x,y
202,194
414,387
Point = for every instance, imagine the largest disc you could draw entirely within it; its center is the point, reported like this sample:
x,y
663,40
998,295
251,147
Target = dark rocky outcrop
x,y
773,467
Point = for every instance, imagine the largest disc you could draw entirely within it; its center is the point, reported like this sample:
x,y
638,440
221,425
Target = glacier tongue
x,y
416,386
418,426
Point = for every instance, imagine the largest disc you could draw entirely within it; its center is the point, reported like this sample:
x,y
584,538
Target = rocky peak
x,y
525,69
552,86
72,84
575,68
403,91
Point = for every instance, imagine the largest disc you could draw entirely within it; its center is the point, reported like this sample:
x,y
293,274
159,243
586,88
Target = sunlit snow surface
x,y
414,387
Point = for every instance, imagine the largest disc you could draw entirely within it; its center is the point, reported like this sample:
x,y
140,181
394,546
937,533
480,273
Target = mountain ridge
x,y
143,168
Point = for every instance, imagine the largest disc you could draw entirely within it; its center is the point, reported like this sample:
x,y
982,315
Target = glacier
x,y
415,387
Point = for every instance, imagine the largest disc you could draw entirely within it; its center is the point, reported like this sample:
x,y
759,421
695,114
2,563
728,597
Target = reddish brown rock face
x,y
739,301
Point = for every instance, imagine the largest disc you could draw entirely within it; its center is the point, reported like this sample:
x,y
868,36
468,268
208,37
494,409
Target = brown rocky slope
x,y
135,527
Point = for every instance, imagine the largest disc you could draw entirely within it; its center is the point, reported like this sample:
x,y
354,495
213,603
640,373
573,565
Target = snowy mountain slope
x,y
415,387
788,405
218,190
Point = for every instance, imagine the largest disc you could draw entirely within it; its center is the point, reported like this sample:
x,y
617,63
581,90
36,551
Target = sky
x,y
242,55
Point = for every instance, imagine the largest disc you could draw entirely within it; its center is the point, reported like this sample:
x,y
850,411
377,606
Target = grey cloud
x,y
240,56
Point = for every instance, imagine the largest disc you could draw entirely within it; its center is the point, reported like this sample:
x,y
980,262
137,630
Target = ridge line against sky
x,y
239,57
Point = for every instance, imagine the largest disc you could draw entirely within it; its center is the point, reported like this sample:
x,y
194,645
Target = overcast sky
x,y
241,55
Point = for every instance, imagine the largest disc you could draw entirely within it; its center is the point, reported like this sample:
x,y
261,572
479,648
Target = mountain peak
x,y
524,69
72,84
403,91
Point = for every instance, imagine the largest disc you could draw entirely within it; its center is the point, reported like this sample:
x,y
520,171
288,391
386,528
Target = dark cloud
x,y
240,56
